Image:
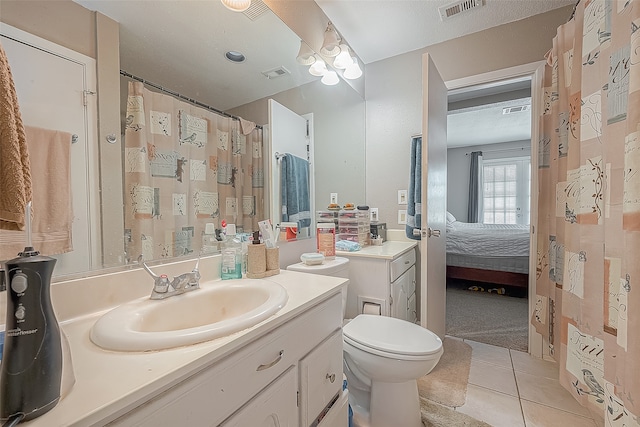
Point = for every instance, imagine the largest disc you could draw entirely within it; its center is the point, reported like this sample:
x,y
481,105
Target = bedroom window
x,y
506,190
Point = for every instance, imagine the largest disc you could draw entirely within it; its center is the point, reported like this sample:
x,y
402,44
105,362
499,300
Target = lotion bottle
x,y
231,266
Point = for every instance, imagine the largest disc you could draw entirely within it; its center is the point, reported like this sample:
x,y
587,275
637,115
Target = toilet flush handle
x,y
331,378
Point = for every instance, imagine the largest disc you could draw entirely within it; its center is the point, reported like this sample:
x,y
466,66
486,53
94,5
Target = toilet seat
x,y
392,338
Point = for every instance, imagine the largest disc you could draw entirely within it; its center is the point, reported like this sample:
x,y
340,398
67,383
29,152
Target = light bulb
x,y
353,71
330,78
343,60
318,68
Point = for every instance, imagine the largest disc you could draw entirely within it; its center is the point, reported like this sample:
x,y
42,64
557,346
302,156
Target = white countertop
x,y
388,250
109,384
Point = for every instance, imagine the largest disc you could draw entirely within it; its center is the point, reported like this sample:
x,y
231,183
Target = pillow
x,y
450,220
450,217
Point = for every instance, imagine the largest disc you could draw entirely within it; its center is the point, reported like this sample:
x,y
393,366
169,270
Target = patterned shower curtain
x,y
588,272
184,167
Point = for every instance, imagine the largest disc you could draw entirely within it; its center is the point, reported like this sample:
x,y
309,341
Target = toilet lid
x,y
327,268
392,335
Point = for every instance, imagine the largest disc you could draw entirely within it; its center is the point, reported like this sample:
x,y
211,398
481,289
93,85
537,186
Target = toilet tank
x,y
337,267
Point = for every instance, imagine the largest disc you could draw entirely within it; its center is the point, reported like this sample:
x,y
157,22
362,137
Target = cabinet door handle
x,y
331,378
270,364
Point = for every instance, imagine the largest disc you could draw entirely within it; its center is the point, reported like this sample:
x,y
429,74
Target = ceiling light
x,y
235,56
343,59
319,68
331,45
237,5
305,54
353,71
330,78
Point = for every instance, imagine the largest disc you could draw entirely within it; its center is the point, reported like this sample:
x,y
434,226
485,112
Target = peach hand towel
x,y
52,212
15,173
246,126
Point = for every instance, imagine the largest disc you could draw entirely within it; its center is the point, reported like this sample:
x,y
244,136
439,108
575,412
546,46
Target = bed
x,y
491,253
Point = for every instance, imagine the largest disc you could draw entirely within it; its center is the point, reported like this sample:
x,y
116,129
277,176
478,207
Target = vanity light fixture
x,y
330,78
237,5
331,44
353,70
343,60
319,68
306,55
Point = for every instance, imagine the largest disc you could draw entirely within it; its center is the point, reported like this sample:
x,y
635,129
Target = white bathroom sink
x,y
216,310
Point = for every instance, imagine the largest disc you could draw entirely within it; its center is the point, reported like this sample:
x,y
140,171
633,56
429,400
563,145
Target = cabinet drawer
x,y
216,392
402,264
275,405
320,377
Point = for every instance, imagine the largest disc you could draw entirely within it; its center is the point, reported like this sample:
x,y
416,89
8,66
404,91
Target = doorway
x,y
516,80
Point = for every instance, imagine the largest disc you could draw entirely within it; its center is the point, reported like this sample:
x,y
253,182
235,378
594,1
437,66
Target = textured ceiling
x,y
379,29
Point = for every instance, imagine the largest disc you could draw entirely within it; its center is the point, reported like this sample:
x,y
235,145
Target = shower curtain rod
x,y
498,150
177,95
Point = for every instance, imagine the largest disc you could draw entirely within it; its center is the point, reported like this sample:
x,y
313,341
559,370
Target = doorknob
x,y
433,233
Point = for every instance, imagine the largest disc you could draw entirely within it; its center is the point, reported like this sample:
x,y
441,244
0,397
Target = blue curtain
x,y
474,209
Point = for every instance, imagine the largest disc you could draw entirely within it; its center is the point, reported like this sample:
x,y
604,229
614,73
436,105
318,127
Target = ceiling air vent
x,y
456,8
518,109
276,72
256,10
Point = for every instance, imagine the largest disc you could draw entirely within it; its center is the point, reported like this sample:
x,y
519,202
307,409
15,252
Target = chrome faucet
x,y
163,288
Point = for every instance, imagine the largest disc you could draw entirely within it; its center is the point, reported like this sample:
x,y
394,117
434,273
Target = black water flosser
x,y
31,369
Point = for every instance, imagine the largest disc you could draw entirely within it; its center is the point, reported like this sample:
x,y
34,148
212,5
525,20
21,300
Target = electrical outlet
x,y
402,216
373,214
334,198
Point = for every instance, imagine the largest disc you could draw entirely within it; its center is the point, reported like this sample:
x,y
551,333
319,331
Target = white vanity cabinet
x,y
286,377
273,406
385,276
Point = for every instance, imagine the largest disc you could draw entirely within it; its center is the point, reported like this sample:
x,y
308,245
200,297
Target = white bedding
x,y
489,240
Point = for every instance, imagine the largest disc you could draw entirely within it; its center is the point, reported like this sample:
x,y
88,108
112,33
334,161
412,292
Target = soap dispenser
x,y
231,267
257,258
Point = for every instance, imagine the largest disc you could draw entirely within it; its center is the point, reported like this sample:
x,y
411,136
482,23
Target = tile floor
x,y
509,388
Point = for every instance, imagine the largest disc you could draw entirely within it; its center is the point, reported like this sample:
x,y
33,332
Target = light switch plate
x,y
373,214
333,198
402,197
402,216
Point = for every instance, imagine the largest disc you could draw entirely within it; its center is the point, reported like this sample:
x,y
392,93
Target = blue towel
x,y
296,203
414,206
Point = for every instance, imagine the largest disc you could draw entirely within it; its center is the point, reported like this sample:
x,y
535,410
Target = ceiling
x,y
379,29
163,41
405,25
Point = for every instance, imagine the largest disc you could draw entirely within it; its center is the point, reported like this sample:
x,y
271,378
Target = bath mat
x,y
436,415
447,383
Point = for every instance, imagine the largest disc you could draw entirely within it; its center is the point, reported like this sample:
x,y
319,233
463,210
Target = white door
x,y
292,134
434,199
54,87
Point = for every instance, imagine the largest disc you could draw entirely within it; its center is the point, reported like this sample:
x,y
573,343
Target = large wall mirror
x,y
181,47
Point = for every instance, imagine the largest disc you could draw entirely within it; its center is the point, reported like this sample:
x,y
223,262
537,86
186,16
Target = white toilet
x,y
383,358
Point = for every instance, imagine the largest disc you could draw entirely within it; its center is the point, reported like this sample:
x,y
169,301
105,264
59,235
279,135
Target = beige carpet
x,y
447,383
435,415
